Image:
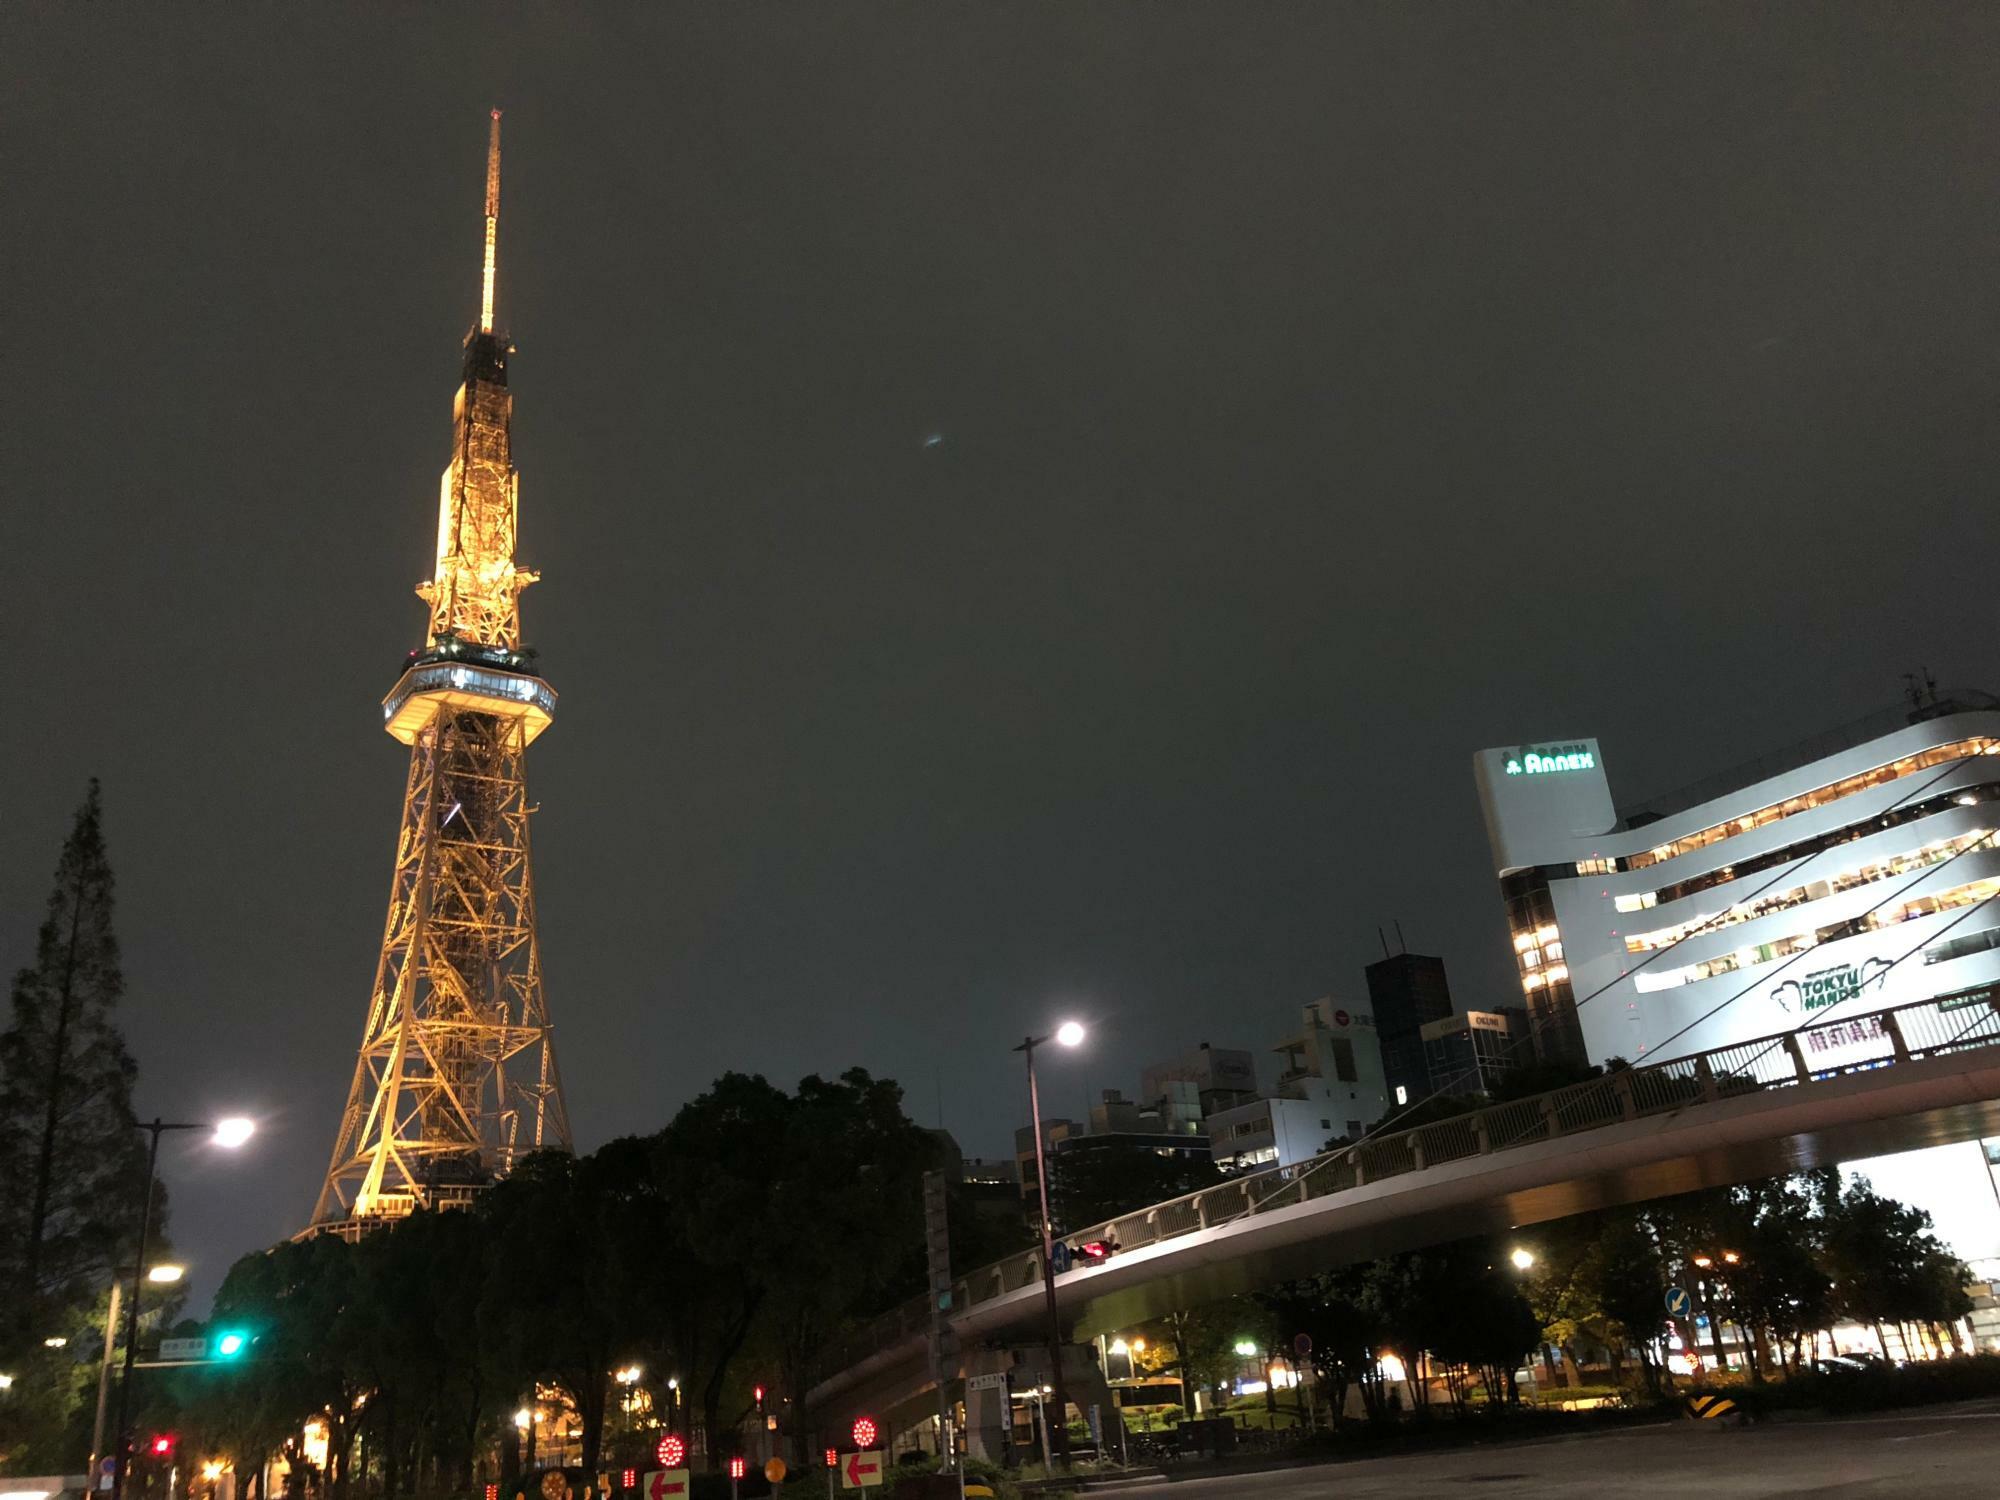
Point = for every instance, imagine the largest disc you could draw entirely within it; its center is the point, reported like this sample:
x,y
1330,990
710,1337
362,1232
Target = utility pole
x,y
104,1379
1056,1435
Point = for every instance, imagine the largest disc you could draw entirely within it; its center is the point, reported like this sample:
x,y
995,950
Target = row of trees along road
x,y
72,1167
1808,1253
725,1251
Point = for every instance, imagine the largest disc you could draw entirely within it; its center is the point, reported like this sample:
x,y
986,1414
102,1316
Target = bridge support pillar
x,y
988,1417
986,1410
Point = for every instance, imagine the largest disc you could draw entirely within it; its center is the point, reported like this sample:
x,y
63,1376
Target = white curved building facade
x,y
1853,872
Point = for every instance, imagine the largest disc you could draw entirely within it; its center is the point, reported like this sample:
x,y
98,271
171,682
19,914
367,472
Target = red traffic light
x,y
864,1432
736,1467
629,1480
163,1444
833,1458
671,1451
492,1492
758,1393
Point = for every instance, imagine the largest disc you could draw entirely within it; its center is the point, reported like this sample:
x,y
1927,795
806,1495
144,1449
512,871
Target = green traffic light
x,y
230,1345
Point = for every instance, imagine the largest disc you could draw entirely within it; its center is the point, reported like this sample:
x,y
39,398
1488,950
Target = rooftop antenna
x,y
1398,925
1383,940
492,223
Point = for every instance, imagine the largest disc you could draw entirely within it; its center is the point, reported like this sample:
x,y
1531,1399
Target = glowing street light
x,y
1246,1348
628,1376
1068,1034
229,1132
522,1418
165,1274
1523,1258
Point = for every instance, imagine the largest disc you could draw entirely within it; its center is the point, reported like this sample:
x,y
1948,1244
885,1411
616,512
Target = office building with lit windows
x,y
1854,870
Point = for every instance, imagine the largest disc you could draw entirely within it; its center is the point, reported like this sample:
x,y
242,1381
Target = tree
x,y
296,1303
801,1213
1198,1344
1345,1332
1887,1266
73,1163
1632,1287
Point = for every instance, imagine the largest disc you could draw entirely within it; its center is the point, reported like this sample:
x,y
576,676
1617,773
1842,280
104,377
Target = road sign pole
x,y
104,1379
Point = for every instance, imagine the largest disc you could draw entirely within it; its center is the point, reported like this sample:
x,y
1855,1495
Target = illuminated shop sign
x,y
1540,760
1826,988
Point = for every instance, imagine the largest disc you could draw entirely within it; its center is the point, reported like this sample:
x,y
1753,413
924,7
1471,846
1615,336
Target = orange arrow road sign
x,y
861,1471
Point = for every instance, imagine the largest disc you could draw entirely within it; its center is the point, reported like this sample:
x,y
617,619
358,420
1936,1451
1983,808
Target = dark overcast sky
x,y
1327,391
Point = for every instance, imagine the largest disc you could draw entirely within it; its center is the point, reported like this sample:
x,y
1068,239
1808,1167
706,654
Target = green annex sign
x,y
1540,760
1825,988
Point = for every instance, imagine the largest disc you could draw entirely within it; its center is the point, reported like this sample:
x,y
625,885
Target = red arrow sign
x,y
863,1469
663,1484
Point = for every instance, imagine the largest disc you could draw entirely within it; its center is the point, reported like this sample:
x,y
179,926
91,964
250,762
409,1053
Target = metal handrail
x,y
1877,1039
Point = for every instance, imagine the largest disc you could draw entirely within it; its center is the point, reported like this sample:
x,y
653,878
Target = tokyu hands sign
x,y
1825,988
1541,760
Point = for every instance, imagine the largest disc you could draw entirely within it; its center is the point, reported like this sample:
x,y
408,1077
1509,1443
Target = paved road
x,y
1949,1451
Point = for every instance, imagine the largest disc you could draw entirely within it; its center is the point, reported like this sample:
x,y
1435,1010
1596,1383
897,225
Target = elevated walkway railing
x,y
1826,1049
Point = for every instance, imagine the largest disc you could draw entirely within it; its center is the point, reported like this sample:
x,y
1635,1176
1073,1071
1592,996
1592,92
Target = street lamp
x,y
165,1274
1523,1258
228,1133
1068,1034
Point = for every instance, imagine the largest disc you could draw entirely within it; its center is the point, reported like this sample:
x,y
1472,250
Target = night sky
x,y
1325,392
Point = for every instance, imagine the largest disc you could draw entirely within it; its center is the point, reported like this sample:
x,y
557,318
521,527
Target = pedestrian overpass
x,y
1921,1074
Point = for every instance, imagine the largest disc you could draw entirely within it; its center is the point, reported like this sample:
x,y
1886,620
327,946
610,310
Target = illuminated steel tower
x,y
457,1075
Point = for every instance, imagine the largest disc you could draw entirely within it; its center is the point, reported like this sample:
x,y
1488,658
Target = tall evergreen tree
x,y
73,1164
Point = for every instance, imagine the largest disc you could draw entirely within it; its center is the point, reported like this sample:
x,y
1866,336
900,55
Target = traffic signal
x,y
833,1458
757,1393
162,1445
230,1343
629,1480
671,1451
864,1432
736,1467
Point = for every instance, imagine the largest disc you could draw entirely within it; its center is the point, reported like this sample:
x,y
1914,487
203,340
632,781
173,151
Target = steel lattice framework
x,y
457,1073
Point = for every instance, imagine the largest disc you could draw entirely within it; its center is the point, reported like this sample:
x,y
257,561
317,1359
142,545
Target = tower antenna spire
x,y
492,224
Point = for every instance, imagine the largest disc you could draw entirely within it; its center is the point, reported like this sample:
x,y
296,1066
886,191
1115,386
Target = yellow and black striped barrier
x,y
1707,1408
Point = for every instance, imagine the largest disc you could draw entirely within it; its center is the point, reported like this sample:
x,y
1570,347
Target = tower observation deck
x,y
457,1077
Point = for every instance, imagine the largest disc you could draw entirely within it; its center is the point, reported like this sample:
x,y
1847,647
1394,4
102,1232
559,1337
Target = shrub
x,y
1875,1388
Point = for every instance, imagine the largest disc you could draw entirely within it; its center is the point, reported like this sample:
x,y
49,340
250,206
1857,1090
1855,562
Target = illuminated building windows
x,y
1909,765
1647,981
1968,796
1929,854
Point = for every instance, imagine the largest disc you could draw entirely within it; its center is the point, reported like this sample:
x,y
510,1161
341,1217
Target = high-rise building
x,y
1330,1086
456,1078
1471,1053
1190,1088
1406,992
1847,873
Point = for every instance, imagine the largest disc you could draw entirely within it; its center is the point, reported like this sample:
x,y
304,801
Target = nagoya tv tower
x,y
457,1075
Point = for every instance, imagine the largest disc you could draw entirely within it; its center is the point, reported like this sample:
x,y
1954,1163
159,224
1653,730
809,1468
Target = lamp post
x,y
229,1133
1069,1034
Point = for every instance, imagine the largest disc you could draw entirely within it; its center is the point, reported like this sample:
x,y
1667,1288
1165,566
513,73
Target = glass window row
x,y
1649,981
1935,852
1896,770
